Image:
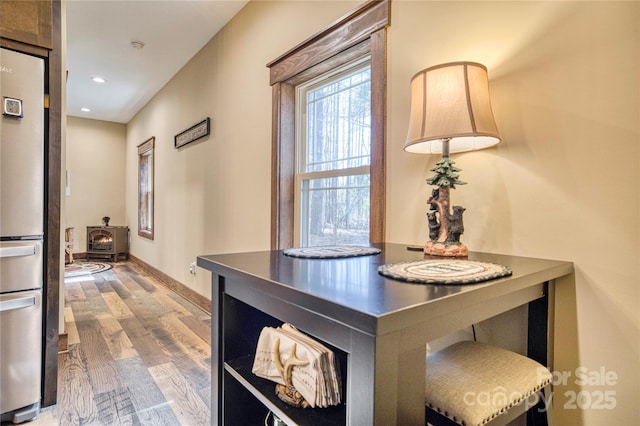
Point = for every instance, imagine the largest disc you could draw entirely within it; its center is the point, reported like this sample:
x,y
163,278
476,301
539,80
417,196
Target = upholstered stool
x,y
475,384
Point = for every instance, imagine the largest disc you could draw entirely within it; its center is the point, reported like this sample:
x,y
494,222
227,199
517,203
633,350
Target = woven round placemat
x,y
330,252
444,271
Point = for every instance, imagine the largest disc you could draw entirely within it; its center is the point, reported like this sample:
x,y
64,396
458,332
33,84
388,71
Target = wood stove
x,y
108,241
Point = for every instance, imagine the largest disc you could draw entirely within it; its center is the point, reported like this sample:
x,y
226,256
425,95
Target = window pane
x,y
146,178
338,123
145,188
335,211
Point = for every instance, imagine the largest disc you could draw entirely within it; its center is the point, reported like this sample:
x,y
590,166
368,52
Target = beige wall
x,y
562,184
63,161
213,195
95,153
564,181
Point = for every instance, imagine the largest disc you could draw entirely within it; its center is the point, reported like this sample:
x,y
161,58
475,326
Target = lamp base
x,y
446,250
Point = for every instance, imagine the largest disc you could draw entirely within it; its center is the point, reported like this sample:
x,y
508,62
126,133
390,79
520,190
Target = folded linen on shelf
x,y
292,359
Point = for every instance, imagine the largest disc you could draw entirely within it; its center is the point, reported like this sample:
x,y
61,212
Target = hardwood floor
x,y
139,354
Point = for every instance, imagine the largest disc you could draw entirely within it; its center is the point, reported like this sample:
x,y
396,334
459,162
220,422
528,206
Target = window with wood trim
x,y
145,188
333,147
358,38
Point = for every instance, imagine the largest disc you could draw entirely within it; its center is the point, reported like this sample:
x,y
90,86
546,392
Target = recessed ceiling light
x,y
98,80
85,109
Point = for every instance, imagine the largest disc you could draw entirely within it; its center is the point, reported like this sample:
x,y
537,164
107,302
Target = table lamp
x,y
450,112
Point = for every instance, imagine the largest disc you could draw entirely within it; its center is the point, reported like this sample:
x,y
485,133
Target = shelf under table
x,y
264,391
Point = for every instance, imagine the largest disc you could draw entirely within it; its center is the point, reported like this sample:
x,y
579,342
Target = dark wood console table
x,y
377,326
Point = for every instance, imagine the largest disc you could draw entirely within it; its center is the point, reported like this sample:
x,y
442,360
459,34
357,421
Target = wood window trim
x,y
359,33
143,148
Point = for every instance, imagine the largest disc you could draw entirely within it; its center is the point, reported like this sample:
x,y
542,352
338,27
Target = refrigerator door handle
x,y
26,250
18,303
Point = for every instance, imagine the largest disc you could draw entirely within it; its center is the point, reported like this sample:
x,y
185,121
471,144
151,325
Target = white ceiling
x,y
99,36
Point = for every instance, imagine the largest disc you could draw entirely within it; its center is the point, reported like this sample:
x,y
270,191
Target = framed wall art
x,y
193,133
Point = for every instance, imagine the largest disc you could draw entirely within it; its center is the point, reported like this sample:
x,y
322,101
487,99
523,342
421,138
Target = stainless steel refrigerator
x,y
21,234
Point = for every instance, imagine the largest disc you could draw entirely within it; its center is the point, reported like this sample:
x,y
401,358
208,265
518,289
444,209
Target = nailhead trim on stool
x,y
472,383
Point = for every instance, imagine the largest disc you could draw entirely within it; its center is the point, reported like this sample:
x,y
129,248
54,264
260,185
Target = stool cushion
x,y
472,383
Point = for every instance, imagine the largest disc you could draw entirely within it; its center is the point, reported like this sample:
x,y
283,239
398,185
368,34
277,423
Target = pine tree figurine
x,y
445,227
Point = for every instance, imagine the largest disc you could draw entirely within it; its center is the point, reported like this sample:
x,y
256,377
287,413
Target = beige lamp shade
x,y
451,101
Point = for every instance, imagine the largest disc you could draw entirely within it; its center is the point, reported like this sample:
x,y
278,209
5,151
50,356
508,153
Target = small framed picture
x,y
193,133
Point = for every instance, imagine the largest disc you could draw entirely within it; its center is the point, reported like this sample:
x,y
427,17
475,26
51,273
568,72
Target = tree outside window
x,y
334,158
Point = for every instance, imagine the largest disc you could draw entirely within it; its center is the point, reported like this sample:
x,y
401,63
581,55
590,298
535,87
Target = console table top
x,y
351,290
